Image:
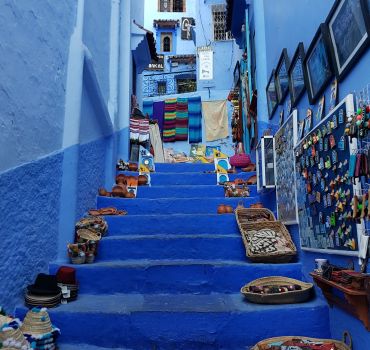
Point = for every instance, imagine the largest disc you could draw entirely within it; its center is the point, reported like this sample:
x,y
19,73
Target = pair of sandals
x,y
106,211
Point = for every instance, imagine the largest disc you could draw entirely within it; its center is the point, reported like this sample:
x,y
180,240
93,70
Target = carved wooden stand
x,y
355,302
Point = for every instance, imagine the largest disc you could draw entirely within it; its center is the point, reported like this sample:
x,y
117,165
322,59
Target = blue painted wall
x,y
34,54
284,26
33,64
96,37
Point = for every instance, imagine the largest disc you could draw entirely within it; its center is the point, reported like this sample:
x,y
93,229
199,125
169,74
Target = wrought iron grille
x,y
219,23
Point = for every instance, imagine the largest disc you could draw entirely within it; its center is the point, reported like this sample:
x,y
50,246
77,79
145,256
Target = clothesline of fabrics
x,y
180,119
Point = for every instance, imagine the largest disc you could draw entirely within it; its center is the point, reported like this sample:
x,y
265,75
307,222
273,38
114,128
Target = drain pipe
x,y
111,151
71,134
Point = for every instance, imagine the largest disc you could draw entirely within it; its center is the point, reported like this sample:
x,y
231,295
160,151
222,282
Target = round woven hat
x,y
13,338
37,322
4,320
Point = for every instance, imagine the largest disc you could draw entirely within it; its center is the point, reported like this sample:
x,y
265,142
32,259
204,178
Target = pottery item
x,y
221,209
229,209
119,191
121,179
130,195
133,167
142,180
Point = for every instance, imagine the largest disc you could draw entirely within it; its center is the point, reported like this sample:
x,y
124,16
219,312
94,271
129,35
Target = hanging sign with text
x,y
205,63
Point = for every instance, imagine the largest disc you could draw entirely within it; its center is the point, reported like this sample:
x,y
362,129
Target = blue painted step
x,y
172,224
174,276
187,178
184,191
172,247
183,322
63,346
147,206
183,167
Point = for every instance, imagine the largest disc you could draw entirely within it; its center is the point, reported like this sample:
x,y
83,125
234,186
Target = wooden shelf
x,y
354,302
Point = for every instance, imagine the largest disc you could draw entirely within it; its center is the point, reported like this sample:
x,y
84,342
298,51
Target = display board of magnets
x,y
285,140
324,188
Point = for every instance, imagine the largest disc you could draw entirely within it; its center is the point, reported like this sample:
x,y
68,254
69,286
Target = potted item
x,y
142,180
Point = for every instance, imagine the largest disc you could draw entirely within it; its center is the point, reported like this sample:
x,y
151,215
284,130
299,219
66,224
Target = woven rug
x,y
169,128
195,119
182,120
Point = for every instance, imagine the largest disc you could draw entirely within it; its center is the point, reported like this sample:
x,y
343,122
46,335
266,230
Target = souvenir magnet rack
x,y
311,240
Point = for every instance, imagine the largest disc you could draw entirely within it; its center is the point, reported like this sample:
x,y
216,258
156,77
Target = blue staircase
x,y
168,276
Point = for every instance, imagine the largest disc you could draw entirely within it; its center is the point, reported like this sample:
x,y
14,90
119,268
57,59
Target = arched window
x,y
166,44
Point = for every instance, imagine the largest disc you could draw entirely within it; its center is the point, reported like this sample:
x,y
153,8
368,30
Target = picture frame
x,y
281,118
333,94
349,31
281,76
271,95
297,76
300,129
320,109
318,64
308,121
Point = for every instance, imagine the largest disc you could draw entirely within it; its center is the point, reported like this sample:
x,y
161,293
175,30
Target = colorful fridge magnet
x,y
335,121
342,143
328,127
341,116
321,164
334,157
321,144
327,162
332,141
326,144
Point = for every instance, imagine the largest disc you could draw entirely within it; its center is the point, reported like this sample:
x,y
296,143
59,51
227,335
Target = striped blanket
x,y
169,128
195,119
182,119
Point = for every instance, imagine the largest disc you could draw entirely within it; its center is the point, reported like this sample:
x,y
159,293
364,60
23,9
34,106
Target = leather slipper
x,y
252,180
249,168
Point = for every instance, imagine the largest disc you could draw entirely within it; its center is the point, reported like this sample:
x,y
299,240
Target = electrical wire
x,y
207,42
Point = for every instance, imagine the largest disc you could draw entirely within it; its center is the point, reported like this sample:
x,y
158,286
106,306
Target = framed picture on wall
x,y
282,81
296,75
271,95
318,64
348,23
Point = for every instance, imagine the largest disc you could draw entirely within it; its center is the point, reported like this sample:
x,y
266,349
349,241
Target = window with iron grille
x,y
171,5
186,85
178,5
219,23
161,87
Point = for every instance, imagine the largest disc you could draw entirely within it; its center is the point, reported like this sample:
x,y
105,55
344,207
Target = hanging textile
x,y
156,141
215,120
148,109
144,130
158,114
195,119
134,129
169,128
182,119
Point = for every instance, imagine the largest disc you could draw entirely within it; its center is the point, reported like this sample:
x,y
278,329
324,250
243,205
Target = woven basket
x,y
248,215
85,235
78,260
297,296
264,344
90,259
282,254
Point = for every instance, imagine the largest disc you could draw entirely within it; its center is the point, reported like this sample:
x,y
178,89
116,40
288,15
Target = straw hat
x,y
13,339
37,322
